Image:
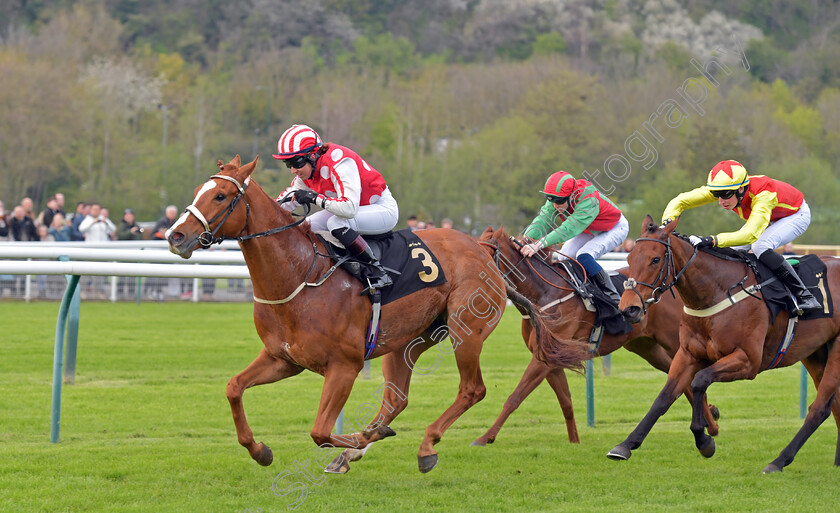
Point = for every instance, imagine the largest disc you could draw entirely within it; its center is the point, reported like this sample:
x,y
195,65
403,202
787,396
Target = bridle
x,y
667,271
207,238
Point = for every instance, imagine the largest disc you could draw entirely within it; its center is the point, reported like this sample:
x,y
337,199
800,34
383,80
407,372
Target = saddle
x,y
406,258
810,268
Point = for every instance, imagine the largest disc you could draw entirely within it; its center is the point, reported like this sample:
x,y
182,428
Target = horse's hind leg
x,y
264,369
815,364
534,374
817,412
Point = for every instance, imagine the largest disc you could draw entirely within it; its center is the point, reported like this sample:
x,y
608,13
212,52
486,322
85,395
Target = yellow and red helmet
x,y
559,186
727,175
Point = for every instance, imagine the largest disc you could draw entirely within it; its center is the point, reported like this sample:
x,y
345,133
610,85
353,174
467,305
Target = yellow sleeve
x,y
762,206
694,198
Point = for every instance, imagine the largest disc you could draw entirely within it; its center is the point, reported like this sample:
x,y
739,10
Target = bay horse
x,y
324,329
546,285
720,344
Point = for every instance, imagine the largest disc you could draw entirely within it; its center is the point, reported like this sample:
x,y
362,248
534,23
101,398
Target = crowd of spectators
x,y
415,224
89,222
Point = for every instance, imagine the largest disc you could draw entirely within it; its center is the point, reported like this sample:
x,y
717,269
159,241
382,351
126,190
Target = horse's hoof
x,y
385,432
708,449
619,452
715,411
265,456
770,469
427,463
339,465
478,443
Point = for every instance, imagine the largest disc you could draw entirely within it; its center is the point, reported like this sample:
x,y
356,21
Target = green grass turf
x,y
147,427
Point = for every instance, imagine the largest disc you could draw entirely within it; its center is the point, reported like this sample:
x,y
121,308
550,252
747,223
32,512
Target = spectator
x,y
446,223
165,222
59,230
26,203
787,249
421,225
46,217
430,224
21,226
112,234
628,245
59,200
4,225
412,222
43,232
96,227
82,210
128,229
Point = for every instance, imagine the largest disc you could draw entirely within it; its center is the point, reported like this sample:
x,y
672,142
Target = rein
x,y
497,256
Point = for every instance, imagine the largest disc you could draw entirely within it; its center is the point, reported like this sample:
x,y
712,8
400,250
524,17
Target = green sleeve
x,y
544,225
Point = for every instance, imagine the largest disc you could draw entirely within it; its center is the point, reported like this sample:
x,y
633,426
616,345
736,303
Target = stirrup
x,y
375,283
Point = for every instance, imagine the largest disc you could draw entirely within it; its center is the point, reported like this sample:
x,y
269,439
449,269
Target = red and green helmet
x,y
559,186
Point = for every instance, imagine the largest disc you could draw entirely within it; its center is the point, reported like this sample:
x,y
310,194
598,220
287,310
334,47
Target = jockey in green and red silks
x,y
587,223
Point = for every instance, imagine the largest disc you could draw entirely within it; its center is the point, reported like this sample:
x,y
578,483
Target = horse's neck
x,y
278,263
706,279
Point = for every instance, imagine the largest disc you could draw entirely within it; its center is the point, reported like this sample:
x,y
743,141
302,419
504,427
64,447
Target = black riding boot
x,y
805,301
602,279
377,277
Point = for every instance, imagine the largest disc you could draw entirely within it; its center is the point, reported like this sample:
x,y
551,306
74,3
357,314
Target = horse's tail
x,y
563,353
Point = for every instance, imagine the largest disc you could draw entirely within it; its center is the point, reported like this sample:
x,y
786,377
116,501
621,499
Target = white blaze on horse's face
x,y
181,220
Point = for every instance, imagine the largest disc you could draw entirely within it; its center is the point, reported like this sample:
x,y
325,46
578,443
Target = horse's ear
x,y
648,226
237,161
246,170
220,164
671,225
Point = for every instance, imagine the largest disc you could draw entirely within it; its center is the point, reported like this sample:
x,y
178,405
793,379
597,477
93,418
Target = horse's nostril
x,y
176,237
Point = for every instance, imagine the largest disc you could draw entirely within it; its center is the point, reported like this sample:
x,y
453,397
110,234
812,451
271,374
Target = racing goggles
x,y
725,194
296,162
556,199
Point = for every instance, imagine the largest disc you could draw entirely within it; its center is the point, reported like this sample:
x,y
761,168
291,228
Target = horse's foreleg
x,y
817,413
682,371
658,357
534,374
264,369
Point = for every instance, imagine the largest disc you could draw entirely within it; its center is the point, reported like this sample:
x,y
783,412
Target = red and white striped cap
x,y
297,140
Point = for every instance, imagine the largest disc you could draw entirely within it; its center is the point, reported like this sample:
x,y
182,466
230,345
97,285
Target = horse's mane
x,y
735,255
304,228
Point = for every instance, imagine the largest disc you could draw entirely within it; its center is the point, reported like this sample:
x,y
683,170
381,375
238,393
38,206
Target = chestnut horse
x,y
322,329
726,344
656,338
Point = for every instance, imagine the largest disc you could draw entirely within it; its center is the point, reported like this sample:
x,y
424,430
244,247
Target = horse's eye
x,y
220,197
655,260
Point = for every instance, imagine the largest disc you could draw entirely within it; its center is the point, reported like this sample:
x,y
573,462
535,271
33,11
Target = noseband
x,y
208,238
668,270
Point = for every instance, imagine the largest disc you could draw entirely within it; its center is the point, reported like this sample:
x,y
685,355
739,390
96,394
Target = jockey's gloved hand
x,y
530,249
305,196
701,242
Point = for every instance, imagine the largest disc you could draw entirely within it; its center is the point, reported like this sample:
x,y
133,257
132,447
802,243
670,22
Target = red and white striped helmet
x,y
297,140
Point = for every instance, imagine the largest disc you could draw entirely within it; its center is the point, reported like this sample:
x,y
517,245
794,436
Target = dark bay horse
x,y
655,338
726,344
322,328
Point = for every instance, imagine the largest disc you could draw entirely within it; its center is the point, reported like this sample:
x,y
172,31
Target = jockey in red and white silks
x,y
354,197
350,192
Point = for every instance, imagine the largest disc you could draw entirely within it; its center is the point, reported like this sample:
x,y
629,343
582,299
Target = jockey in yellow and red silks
x,y
587,223
775,213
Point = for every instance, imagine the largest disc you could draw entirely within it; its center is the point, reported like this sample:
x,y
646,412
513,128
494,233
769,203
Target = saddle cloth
x,y
607,313
811,271
403,251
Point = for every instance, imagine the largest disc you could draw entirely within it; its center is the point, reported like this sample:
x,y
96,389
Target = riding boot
x,y
805,301
357,246
602,279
